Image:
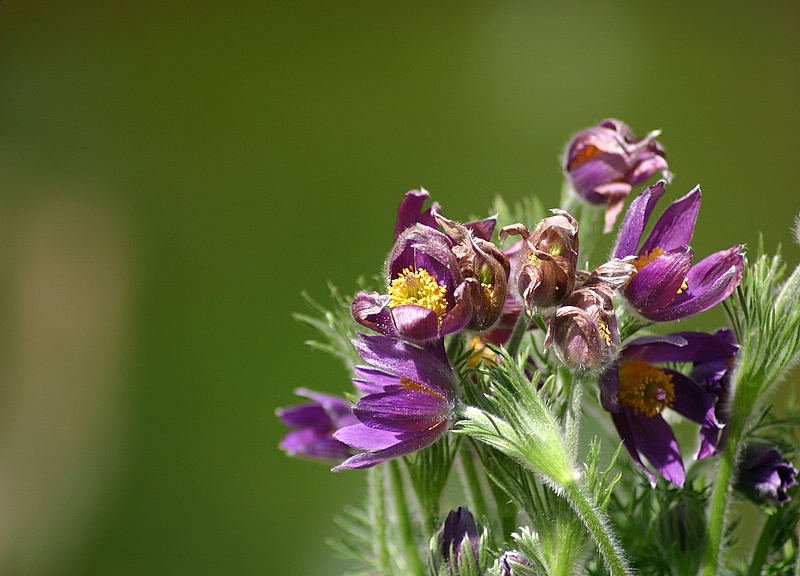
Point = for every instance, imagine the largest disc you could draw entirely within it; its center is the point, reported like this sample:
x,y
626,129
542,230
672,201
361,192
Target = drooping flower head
x,y
427,297
584,331
485,270
636,390
765,475
546,267
314,423
408,404
606,161
666,285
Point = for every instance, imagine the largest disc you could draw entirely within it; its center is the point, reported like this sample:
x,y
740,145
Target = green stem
x,y
597,526
377,497
574,413
520,329
720,497
472,481
408,543
763,544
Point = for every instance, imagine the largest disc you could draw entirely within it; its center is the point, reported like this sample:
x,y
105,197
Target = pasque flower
x,y
438,283
409,400
666,285
314,423
427,295
606,161
636,390
765,475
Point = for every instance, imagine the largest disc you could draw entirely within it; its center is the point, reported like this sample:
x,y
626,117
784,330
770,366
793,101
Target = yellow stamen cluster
x,y
420,288
480,352
645,387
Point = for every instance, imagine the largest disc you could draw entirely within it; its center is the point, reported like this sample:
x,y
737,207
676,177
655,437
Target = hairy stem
x,y
408,543
597,526
377,508
720,497
520,328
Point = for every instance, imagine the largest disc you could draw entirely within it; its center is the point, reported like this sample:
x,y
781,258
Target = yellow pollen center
x,y
480,352
420,288
605,332
644,387
648,257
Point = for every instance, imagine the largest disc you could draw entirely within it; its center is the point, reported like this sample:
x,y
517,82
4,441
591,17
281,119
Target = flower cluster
x,y
485,356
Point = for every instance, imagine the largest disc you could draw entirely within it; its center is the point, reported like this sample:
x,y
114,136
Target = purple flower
x,y
666,285
636,391
606,161
460,543
314,424
765,475
409,401
427,295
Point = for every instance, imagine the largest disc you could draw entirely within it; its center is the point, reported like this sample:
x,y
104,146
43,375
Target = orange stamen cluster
x,y
644,387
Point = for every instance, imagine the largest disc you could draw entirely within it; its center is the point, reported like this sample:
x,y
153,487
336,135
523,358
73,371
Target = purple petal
x,y
674,227
630,231
657,283
709,281
646,168
414,322
370,310
312,444
482,228
692,402
404,410
625,432
306,415
683,347
405,444
655,441
407,361
375,381
409,212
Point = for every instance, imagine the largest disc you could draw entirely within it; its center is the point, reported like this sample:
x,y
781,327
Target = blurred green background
x,y
173,174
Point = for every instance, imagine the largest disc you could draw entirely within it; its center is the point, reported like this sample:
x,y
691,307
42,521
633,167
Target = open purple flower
x,y
606,161
427,296
765,475
666,285
409,401
314,424
636,391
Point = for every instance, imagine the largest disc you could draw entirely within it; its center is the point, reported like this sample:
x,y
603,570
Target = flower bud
x,y
461,545
765,475
606,161
547,265
513,563
584,331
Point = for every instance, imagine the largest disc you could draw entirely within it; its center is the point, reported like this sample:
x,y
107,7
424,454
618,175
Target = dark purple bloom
x,y
427,295
765,475
314,424
409,401
460,543
666,285
635,391
606,161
